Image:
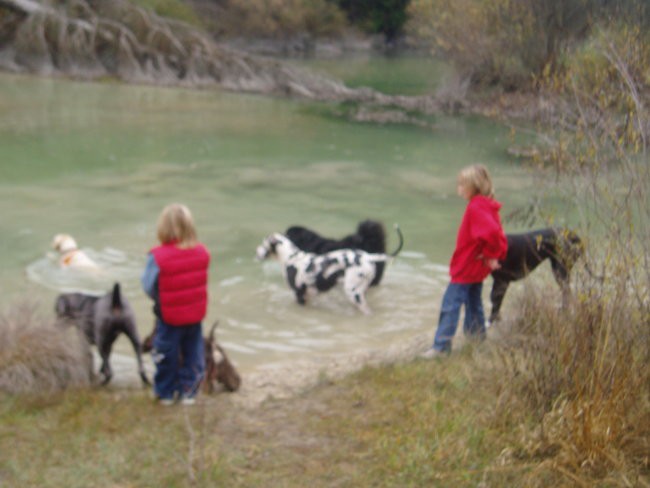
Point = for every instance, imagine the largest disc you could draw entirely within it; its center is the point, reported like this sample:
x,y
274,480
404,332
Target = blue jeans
x,y
179,357
457,295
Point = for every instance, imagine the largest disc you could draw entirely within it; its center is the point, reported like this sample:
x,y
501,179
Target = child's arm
x,y
487,230
150,276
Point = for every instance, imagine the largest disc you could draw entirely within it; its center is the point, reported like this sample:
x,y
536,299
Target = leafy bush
x,y
504,42
581,372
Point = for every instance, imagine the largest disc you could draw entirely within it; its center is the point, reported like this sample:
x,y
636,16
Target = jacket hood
x,y
487,203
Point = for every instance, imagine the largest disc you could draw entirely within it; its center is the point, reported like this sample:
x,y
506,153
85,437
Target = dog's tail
x,y
401,241
116,300
214,327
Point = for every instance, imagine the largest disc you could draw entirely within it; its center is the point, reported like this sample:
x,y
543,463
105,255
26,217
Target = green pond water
x,y
100,160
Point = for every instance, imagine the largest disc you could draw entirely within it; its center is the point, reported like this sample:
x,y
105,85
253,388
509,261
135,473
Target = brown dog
x,y
218,368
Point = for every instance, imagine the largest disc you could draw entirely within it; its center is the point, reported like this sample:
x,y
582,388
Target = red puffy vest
x,y
182,283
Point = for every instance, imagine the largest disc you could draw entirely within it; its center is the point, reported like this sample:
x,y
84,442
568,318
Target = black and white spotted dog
x,y
308,274
370,236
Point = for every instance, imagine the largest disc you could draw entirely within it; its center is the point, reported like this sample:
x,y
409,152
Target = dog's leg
x,y
561,275
227,375
104,346
132,334
499,288
355,284
147,343
210,375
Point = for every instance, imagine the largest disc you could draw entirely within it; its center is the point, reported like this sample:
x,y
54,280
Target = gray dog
x,y
102,319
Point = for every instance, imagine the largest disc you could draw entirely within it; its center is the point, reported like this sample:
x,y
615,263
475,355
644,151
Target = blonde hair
x,y
176,224
477,177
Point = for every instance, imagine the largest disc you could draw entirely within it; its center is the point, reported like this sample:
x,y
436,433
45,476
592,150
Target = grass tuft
x,y
36,357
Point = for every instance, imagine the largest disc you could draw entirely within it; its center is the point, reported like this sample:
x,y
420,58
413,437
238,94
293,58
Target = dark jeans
x,y
178,354
457,295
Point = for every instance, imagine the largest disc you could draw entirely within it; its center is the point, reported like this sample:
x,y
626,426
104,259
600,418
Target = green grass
x,y
410,425
94,438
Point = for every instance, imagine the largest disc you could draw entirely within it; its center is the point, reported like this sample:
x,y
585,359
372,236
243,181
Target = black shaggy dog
x,y
562,247
370,237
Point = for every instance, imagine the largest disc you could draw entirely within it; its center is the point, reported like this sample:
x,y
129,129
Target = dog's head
x,y
63,243
570,246
68,305
272,246
371,236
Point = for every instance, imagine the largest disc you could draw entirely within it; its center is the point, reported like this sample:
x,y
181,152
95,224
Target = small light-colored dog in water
x,y
69,253
308,274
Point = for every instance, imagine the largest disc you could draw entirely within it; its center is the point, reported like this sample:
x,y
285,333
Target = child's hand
x,y
492,263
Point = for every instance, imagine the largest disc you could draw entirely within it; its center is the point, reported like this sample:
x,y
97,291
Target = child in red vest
x,y
176,278
480,244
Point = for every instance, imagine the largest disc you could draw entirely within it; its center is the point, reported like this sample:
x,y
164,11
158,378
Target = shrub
x,y
38,357
581,373
280,19
500,42
385,17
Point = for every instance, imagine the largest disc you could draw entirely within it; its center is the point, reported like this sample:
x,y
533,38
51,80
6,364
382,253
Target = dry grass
x,y
38,357
548,405
581,376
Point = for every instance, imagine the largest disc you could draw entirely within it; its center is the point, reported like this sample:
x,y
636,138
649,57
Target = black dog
x,y
102,319
370,237
562,247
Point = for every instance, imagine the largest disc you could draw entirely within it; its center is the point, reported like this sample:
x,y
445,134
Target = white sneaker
x,y
188,401
166,402
432,353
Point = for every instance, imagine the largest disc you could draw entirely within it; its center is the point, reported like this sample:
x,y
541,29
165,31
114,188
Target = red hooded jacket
x,y
182,283
480,237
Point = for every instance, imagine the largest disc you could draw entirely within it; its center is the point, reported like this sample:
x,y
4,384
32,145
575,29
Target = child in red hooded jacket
x,y
480,244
